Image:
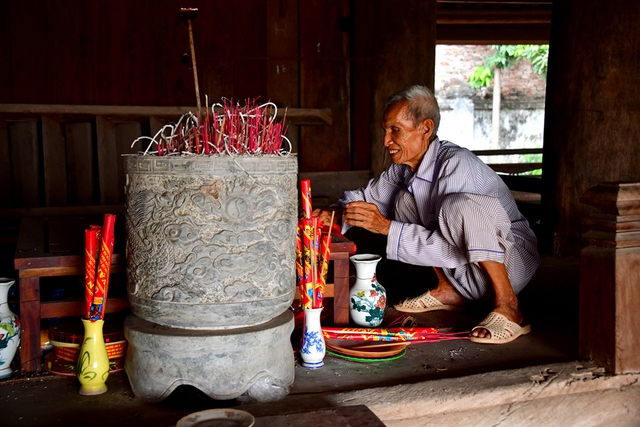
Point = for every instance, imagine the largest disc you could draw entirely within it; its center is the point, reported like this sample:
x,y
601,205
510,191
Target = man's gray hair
x,y
421,103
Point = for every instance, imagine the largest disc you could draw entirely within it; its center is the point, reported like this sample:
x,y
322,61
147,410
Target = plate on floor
x,y
217,418
366,350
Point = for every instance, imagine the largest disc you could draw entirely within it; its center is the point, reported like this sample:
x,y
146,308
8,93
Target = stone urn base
x,y
254,363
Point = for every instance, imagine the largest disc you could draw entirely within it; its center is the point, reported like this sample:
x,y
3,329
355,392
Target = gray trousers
x,y
469,221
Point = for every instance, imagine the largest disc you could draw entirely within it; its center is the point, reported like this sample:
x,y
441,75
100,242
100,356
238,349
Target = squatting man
x,y
440,206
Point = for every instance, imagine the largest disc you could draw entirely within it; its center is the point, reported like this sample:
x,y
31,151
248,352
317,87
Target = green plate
x,y
367,360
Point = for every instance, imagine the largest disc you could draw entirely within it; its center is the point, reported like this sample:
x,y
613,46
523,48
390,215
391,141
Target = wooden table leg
x,y
341,288
30,324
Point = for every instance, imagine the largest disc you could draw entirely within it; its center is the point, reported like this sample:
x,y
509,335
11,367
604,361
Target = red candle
x,y
305,189
324,267
104,269
307,246
91,244
299,261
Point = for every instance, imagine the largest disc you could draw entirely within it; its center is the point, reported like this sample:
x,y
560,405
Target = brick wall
x,y
454,64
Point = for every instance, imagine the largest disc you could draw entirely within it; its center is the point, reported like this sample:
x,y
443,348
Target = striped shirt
x,y
415,235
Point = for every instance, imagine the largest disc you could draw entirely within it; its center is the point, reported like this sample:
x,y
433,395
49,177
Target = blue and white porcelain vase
x,y
9,329
367,297
312,347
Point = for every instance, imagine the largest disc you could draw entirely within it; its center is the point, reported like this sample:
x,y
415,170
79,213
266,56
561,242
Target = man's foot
x,y
444,297
510,311
447,294
423,303
504,323
498,330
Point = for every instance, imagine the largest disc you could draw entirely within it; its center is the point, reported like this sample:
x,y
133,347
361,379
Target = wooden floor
x,y
550,303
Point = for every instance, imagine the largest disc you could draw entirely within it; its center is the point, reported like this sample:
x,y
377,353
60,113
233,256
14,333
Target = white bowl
x,y
217,418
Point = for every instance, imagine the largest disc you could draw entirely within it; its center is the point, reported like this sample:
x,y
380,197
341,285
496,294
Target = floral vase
x,y
9,329
93,361
367,298
312,348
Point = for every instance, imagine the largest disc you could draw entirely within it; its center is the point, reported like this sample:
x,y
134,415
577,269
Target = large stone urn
x,y
210,249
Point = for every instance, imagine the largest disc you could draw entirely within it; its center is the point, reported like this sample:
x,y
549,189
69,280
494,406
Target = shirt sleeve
x,y
380,191
419,245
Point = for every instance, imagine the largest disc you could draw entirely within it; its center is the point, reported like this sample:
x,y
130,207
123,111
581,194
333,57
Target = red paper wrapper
x,y
315,252
307,246
324,267
299,261
104,269
305,189
91,244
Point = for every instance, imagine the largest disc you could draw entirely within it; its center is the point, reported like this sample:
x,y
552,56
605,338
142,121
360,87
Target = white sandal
x,y
423,303
502,330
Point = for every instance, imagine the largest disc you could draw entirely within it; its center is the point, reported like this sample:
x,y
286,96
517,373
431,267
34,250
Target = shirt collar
x,y
427,165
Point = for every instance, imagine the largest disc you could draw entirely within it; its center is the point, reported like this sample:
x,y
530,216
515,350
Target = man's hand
x,y
366,215
324,215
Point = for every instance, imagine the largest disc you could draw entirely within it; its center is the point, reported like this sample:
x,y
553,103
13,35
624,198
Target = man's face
x,y
405,143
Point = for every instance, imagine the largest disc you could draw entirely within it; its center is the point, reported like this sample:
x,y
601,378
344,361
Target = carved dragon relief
x,y
200,240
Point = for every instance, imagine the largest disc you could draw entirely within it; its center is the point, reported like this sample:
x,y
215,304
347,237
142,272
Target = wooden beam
x,y
296,116
499,17
513,168
493,34
518,2
507,151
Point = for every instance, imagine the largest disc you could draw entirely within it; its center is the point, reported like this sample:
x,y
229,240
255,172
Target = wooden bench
x,y
341,249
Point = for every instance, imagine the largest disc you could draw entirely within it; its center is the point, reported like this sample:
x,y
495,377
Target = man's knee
x,y
458,205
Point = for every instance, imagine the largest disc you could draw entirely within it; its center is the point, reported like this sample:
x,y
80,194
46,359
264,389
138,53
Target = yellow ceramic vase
x,y
93,361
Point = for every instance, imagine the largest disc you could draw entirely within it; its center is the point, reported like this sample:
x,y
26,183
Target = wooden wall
x,y
341,57
123,53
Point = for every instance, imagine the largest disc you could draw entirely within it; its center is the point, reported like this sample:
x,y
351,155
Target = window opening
x,y
465,82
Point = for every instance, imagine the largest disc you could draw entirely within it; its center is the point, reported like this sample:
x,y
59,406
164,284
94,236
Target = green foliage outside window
x,y
506,56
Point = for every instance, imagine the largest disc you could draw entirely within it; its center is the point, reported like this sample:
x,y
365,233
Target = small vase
x,y
312,348
9,329
93,361
367,298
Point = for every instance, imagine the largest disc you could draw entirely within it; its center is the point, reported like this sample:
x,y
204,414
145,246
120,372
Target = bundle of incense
x,y
312,259
392,334
223,128
101,281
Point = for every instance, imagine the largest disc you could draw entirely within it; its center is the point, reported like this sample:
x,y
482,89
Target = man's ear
x,y
427,127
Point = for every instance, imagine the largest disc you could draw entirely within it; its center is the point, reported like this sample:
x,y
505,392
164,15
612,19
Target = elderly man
x,y
440,206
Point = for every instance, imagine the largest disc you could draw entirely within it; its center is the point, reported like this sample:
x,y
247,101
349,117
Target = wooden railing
x,y
525,188
511,168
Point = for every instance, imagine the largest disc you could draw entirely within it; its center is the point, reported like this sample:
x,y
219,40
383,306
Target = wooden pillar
x,y
591,114
610,278
395,46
